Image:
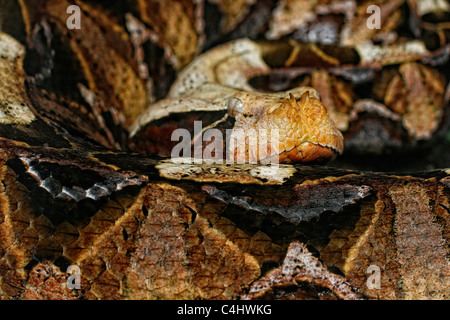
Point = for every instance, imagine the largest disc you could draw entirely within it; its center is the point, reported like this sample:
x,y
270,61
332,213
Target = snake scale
x,y
86,118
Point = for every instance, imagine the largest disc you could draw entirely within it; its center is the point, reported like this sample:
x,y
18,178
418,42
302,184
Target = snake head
x,y
310,133
299,130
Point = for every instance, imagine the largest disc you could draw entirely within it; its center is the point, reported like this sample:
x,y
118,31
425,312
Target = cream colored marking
x,y
15,113
244,174
278,173
14,106
229,65
10,48
426,6
370,53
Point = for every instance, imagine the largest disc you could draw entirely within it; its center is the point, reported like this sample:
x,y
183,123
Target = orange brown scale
x,y
306,132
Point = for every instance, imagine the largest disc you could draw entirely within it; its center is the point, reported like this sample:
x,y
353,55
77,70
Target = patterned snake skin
x,y
91,207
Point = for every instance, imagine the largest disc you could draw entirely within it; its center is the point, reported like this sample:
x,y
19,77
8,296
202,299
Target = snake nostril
x,y
235,106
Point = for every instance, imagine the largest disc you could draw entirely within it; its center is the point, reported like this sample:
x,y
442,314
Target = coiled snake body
x,y
86,181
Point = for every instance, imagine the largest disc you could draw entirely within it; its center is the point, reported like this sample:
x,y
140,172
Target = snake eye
x,y
235,106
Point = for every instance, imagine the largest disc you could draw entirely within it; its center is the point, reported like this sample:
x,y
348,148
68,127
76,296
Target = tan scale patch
x,y
255,174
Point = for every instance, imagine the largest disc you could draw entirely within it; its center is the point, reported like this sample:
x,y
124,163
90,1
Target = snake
x,y
217,81
93,205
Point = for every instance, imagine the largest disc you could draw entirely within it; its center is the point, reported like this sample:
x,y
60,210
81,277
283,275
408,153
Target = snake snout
x,y
307,134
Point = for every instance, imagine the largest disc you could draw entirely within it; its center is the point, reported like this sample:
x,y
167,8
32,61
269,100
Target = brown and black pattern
x,y
139,227
187,239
